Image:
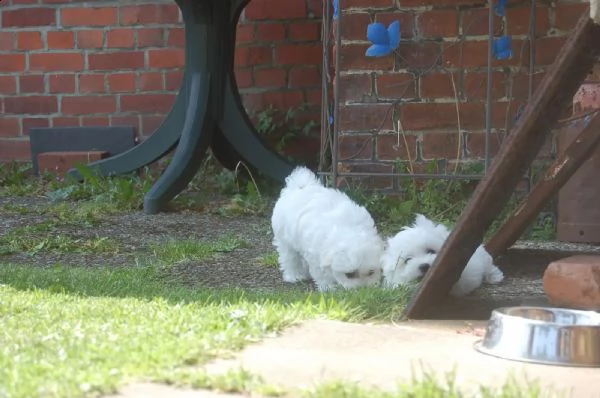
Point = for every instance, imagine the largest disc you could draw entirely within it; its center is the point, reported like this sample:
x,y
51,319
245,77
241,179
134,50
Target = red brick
x,y
504,112
7,41
313,96
391,147
270,77
301,77
474,54
355,147
476,144
12,62
355,87
147,103
61,40
373,182
31,105
92,83
518,18
520,85
32,84
33,122
88,16
567,15
366,117
167,58
9,127
270,32
65,122
352,56
129,120
277,99
61,162
441,3
151,37
92,38
84,105
354,26
176,37
116,60
173,80
418,116
8,85
368,3
396,85
149,13
243,77
95,121
475,22
29,41
121,82
15,150
254,55
406,19
438,23
439,85
304,31
120,38
26,17
267,9
574,282
62,83
149,124
475,85
441,145
547,48
245,33
422,55
56,62
150,81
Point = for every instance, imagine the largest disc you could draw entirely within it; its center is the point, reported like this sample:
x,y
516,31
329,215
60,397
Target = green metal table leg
x,y
241,135
190,151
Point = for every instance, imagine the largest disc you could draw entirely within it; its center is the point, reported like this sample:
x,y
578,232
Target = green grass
x,y
68,331
270,259
175,251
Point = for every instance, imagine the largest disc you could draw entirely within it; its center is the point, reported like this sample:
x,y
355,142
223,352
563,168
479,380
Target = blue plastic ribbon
x,y
503,47
336,9
385,40
500,8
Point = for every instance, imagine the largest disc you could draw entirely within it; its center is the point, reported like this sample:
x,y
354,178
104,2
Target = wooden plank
x,y
572,65
580,149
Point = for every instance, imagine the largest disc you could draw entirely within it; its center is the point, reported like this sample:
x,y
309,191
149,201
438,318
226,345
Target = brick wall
x,y
404,106
75,63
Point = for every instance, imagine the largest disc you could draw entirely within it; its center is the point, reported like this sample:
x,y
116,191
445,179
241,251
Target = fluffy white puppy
x,y
411,252
321,234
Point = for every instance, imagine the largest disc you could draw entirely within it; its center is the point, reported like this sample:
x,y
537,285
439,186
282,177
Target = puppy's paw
x,y
494,276
293,277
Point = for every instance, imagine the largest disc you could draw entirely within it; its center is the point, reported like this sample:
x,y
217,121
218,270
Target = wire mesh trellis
x,y
333,12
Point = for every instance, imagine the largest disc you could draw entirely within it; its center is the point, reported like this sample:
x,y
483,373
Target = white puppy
x,y
411,252
321,234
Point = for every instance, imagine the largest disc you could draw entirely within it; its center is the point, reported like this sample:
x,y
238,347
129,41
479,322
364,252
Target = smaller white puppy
x,y
411,252
321,234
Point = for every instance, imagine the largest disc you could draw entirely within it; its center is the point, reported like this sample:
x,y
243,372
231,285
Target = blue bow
x,y
385,41
500,8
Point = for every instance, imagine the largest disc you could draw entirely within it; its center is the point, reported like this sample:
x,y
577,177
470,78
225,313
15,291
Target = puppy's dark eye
x,y
407,259
430,251
351,275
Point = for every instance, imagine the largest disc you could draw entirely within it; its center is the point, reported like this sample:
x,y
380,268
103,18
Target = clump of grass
x,y
174,251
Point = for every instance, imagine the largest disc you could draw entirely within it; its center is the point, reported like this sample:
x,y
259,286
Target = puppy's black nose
x,y
423,268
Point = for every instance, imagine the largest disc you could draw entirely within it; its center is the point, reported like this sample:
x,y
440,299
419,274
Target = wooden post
x,y
558,174
573,63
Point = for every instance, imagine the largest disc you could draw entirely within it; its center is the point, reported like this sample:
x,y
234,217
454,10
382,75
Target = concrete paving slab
x,y
382,355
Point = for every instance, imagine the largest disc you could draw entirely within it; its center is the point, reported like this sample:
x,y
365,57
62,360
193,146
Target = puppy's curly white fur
x,y
321,234
411,252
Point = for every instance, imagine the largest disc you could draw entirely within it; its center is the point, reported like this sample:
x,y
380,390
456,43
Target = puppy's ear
x,y
423,222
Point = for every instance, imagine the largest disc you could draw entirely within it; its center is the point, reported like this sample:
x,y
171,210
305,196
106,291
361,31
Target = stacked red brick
x,y
66,63
405,106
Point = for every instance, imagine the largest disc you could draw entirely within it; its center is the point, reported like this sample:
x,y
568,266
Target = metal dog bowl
x,y
551,336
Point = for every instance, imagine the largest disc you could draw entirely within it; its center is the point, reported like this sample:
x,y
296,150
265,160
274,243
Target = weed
x,y
270,259
175,251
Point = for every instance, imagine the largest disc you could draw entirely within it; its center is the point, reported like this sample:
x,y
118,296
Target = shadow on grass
x,y
147,283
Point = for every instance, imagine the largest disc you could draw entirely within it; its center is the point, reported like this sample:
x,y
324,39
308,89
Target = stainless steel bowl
x,y
552,336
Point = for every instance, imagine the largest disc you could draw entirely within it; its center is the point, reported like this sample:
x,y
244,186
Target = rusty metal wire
x,y
330,111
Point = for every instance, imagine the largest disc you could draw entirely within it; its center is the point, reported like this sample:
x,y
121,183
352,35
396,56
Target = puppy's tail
x,y
300,178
